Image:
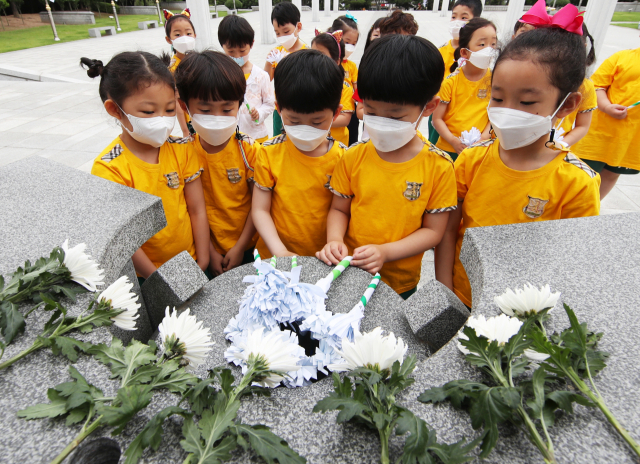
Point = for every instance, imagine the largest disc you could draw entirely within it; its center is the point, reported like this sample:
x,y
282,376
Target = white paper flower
x,y
371,350
471,136
275,55
184,336
120,297
279,350
526,301
499,328
534,356
83,269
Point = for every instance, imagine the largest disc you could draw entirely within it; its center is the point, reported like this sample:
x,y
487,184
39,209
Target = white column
x,y
482,4
336,6
514,12
327,7
298,4
315,11
445,8
266,27
201,20
597,19
434,8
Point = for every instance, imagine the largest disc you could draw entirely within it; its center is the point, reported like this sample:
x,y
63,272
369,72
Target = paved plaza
x,y
65,121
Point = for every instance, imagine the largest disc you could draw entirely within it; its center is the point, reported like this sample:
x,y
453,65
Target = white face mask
x,y
348,50
215,130
241,60
389,134
516,129
306,138
482,58
287,41
184,44
454,28
150,131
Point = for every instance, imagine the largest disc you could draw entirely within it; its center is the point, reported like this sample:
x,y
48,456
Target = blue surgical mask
x,y
241,61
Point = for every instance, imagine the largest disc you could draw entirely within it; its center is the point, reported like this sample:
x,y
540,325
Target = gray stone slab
x,y
172,285
435,314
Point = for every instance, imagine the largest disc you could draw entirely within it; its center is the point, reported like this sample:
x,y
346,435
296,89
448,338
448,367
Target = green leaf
x,y
226,381
519,342
400,379
458,452
11,321
492,407
68,346
419,439
78,392
56,408
348,407
202,395
78,415
130,400
537,404
192,442
268,445
456,391
151,434
173,377
123,363
565,399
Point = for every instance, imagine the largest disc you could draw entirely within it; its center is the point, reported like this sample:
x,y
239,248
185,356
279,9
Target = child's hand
x,y
370,258
215,261
457,145
332,253
616,111
254,114
232,259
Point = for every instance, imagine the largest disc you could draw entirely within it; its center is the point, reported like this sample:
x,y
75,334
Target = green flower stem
x,y
534,436
384,445
35,347
84,433
187,459
32,309
244,383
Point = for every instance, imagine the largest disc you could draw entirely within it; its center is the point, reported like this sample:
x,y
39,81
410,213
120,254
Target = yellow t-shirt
x,y
175,61
466,104
246,76
494,194
350,72
227,193
341,134
589,103
301,198
177,166
280,52
447,52
610,140
389,201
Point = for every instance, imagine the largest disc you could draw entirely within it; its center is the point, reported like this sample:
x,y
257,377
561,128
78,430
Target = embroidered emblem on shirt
x,y
535,208
328,184
113,154
173,181
482,93
233,175
413,190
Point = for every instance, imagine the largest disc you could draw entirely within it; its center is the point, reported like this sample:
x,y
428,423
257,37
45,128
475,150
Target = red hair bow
x,y
567,18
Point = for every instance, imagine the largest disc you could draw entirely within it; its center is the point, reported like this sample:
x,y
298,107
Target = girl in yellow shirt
x,y
464,94
139,92
212,88
332,45
522,176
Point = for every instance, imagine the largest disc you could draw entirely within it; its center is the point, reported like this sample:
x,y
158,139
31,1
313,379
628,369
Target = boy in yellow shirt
x,y
293,170
212,88
393,194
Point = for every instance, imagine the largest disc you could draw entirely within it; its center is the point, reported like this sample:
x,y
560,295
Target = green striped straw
x,y
273,261
294,262
326,282
369,291
256,255
634,105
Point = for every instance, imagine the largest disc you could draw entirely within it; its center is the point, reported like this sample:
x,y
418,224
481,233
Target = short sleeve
x,y
262,175
346,100
461,181
108,172
341,178
603,77
589,98
446,90
189,162
354,73
586,203
251,148
443,195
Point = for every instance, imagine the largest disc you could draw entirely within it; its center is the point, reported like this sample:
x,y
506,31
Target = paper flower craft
x,y
471,136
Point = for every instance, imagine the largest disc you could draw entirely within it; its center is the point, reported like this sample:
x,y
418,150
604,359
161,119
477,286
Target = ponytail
x,y
94,67
591,56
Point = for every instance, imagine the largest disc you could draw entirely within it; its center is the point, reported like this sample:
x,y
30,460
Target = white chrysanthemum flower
x,y
184,336
499,328
526,301
371,350
83,269
534,356
119,296
276,351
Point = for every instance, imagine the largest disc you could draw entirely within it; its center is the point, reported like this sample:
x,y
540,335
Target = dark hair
x,y
127,73
329,42
285,13
399,22
342,23
466,33
474,5
307,81
210,76
375,26
561,53
169,22
591,56
517,26
400,69
235,31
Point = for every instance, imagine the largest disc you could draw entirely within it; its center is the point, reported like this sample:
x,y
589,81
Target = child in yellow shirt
x,y
465,93
522,176
463,11
393,193
212,88
332,45
293,171
138,91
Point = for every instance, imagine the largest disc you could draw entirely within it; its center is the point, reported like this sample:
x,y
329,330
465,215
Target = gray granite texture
x,y
435,314
172,285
